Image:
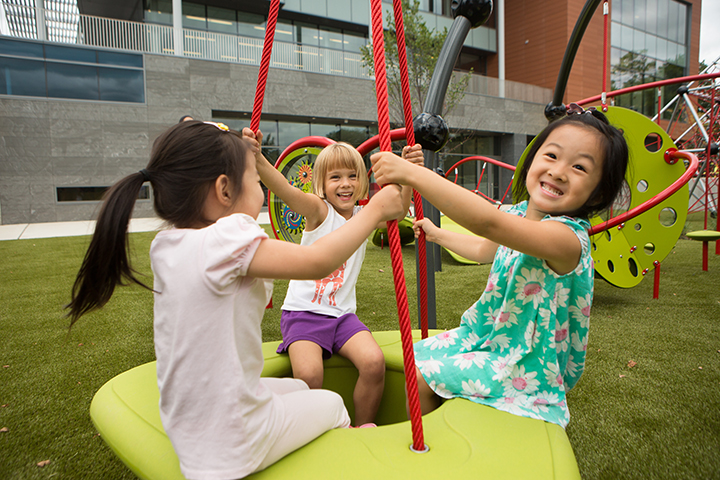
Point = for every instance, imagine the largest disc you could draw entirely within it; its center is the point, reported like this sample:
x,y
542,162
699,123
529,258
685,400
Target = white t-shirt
x,y
334,295
220,418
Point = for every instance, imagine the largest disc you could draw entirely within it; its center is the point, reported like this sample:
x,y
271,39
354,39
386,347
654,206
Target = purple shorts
x,y
331,333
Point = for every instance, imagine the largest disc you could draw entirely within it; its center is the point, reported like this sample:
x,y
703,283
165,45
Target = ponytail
x,y
106,263
184,163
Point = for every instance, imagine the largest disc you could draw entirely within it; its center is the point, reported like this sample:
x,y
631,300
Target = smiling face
x,y
565,171
341,188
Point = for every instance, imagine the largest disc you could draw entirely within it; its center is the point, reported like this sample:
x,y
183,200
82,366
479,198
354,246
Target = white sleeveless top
x,y
334,295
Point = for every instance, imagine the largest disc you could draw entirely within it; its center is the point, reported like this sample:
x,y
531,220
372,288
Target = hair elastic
x,y
219,126
145,174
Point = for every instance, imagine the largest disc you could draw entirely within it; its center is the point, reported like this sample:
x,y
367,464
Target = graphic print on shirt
x,y
336,280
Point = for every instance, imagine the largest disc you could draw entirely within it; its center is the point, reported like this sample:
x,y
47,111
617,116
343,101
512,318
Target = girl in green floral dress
x,y
521,346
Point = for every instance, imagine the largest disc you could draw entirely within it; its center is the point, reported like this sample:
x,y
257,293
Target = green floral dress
x,y
522,345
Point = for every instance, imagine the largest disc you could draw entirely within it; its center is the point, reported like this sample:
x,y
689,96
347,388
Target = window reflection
x,y
72,81
648,43
22,77
71,72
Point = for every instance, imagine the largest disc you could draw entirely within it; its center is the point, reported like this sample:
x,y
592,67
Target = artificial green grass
x,y
657,419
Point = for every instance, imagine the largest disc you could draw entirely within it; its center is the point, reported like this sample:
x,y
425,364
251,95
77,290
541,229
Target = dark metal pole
x,y
434,104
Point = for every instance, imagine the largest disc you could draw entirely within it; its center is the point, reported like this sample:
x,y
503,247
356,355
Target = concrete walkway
x,y
24,231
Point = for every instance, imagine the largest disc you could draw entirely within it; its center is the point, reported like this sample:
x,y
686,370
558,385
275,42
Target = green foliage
x,y
423,48
646,406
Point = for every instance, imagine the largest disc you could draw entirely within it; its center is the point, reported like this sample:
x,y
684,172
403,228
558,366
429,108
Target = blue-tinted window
x,y
21,49
68,74
22,77
221,20
55,52
121,59
120,85
72,81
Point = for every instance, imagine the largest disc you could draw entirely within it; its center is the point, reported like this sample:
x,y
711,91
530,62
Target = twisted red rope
x,y
394,234
264,64
410,136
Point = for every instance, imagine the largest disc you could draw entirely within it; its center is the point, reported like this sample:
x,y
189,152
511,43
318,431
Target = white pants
x,y
308,414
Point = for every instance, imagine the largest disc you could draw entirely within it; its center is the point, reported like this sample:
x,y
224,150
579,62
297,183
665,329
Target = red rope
x,y
264,64
393,233
410,136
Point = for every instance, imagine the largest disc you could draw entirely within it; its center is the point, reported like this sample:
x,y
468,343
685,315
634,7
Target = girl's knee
x,y
311,375
373,364
333,407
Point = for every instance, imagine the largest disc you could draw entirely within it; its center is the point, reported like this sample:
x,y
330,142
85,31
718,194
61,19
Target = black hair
x,y
614,165
184,163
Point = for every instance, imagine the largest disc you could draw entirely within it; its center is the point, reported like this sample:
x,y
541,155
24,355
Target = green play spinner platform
x,y
466,440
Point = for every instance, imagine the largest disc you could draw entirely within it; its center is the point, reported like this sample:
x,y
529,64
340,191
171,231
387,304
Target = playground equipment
x,y
125,410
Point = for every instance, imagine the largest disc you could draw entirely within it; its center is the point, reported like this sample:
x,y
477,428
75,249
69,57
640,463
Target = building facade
x,y
82,99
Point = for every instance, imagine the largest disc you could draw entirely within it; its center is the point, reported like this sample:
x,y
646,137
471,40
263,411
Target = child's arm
x,y
551,241
308,205
414,155
278,259
472,247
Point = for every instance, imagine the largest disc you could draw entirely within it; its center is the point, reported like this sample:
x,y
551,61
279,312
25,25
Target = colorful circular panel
x,y
297,167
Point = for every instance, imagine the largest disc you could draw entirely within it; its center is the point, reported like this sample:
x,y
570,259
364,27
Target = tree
x,y
423,48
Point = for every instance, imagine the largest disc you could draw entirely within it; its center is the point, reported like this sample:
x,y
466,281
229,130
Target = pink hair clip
x,y
220,126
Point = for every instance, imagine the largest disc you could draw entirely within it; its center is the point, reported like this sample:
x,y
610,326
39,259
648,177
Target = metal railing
x,y
78,29
159,39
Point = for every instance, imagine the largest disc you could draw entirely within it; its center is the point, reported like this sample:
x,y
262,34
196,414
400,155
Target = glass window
x,y
331,38
651,16
72,81
616,11
251,25
353,42
354,135
21,49
627,38
651,45
627,12
673,52
69,53
324,130
120,59
639,15
638,41
662,49
615,35
681,55
158,11
662,17
194,16
284,32
289,132
307,34
673,14
682,24
22,77
120,85
221,20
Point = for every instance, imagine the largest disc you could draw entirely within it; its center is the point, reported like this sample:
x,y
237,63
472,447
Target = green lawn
x,y
659,418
